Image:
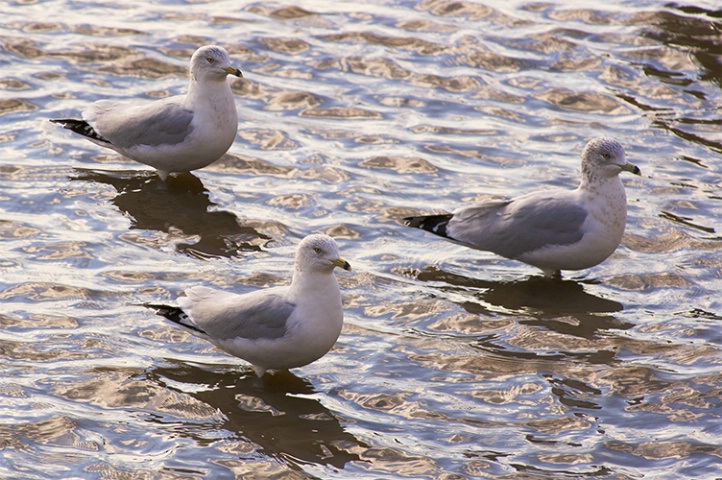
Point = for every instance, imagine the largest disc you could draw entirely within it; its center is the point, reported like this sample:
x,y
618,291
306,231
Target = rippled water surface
x,y
453,363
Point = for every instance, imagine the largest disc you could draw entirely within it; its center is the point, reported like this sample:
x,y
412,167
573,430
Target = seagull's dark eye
x,y
211,60
317,250
606,156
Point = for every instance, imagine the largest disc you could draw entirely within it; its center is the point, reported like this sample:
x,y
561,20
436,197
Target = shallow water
x,y
453,363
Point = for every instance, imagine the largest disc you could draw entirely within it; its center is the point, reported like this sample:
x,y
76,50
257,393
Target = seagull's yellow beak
x,y
341,263
234,71
631,168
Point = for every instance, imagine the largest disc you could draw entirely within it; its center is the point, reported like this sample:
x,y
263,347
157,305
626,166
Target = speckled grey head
x,y
212,62
319,253
604,157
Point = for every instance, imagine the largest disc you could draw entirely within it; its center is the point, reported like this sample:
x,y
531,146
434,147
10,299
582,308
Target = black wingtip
x,y
81,127
175,315
435,224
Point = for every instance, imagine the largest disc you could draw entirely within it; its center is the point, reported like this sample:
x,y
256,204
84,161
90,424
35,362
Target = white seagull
x,y
275,328
174,134
550,229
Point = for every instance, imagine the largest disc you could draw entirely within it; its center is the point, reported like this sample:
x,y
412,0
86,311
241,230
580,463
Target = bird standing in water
x,y
274,328
174,134
552,229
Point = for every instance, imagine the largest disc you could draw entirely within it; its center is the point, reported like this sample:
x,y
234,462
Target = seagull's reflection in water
x,y
274,412
180,204
548,302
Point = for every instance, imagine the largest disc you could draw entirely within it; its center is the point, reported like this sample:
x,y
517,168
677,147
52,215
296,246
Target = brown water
x,y
453,363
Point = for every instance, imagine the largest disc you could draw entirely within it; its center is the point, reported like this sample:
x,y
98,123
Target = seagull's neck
x,y
208,88
607,200
594,183
306,281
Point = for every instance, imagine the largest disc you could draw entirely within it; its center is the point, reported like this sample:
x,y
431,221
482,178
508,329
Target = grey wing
x,y
158,123
528,223
225,316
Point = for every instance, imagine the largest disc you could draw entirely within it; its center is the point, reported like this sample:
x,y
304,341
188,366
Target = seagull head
x,y
604,157
319,253
212,63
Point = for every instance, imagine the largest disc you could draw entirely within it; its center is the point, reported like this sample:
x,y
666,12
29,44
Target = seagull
x,y
276,328
174,134
551,229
